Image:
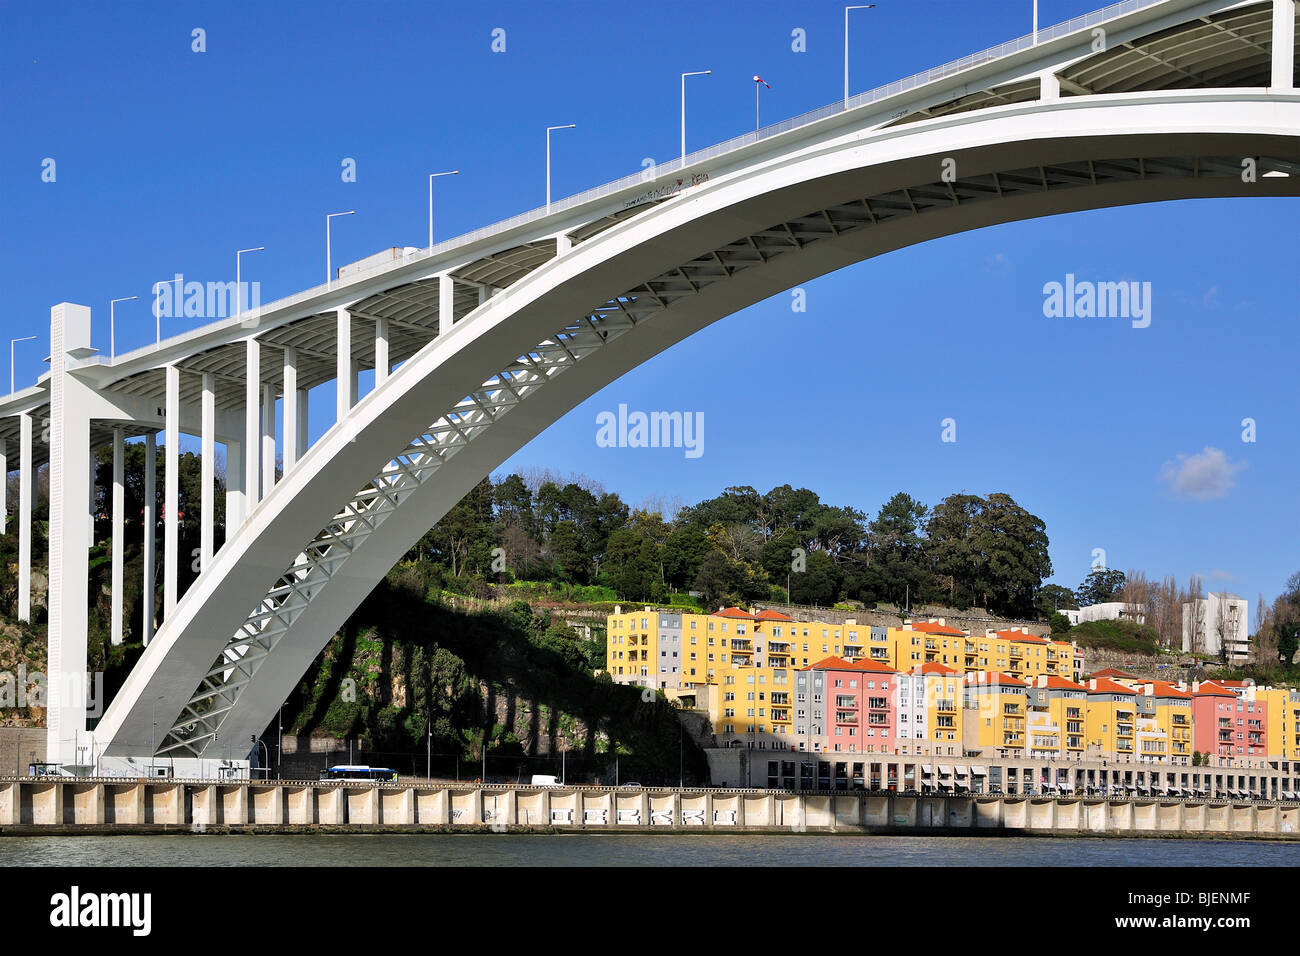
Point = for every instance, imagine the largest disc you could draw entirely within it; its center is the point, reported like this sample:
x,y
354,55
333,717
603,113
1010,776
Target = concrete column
x,y
1049,88
172,492
150,533
252,425
1283,46
235,498
207,471
562,245
268,439
381,352
25,517
4,485
290,409
347,388
69,564
119,533
482,294
447,302
302,422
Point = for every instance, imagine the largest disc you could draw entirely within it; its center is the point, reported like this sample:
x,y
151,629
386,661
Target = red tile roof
x,y
1214,689
1020,636
1105,686
994,678
770,615
934,667
840,664
1060,683
1112,672
1160,688
933,627
734,612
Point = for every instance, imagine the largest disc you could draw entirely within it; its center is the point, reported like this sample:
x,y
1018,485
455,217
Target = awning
x,y
945,771
961,771
927,771
979,771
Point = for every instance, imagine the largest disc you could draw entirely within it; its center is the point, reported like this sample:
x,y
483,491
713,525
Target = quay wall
x,y
44,805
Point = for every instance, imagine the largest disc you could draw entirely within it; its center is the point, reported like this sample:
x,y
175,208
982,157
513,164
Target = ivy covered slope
x,y
512,677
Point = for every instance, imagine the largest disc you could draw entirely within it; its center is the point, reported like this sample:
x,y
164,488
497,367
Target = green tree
x,y
1100,586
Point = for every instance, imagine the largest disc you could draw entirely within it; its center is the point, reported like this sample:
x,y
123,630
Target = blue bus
x,y
358,772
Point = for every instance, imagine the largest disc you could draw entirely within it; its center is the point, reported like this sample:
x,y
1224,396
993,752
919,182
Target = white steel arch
x,y
502,332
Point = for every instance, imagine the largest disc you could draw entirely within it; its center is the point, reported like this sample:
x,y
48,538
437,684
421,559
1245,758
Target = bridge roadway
x,y
43,805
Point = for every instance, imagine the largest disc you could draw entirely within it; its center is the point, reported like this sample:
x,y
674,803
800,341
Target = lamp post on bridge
x,y
153,735
329,272
112,327
684,76
432,177
25,338
239,285
157,306
860,6
548,159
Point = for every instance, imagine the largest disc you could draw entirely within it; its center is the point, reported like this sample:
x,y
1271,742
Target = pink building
x,y
1228,721
860,715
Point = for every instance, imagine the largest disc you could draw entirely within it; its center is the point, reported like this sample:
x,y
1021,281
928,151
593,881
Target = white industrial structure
x,y
479,343
1218,626
1107,611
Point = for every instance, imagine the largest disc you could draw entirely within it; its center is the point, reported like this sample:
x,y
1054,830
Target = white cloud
x,y
1205,476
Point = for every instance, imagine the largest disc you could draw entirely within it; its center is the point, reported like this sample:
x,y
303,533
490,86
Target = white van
x,y
545,780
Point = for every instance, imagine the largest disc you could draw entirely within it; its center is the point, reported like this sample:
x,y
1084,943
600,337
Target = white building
x,y
1109,611
1217,626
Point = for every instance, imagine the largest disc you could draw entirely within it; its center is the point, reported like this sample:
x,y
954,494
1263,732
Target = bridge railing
x,y
678,164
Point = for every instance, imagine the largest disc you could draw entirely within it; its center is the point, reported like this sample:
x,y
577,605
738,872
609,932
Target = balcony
x,y
846,717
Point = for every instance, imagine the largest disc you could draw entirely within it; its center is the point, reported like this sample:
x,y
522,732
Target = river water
x,y
630,849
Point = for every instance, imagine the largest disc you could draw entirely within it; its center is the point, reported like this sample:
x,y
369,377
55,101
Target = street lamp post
x,y
684,76
25,338
239,285
157,312
548,160
861,6
1035,22
329,272
112,328
153,735
432,177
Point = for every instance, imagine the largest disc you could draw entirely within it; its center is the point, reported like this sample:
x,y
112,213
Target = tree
x,y
718,579
1100,586
1054,597
1060,624
684,551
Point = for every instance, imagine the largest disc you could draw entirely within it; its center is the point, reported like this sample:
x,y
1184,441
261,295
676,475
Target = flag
x,y
759,79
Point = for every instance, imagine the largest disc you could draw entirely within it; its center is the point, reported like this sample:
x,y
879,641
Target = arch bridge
x,y
478,343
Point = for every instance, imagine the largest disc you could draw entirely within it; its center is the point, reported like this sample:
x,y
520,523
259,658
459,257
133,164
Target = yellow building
x,y
1169,708
1283,708
943,704
1057,718
1112,717
1015,652
996,706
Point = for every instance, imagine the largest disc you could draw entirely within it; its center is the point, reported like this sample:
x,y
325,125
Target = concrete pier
x,y
35,804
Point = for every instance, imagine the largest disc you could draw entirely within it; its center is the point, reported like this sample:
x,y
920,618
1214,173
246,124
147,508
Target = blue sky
x,y
169,160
